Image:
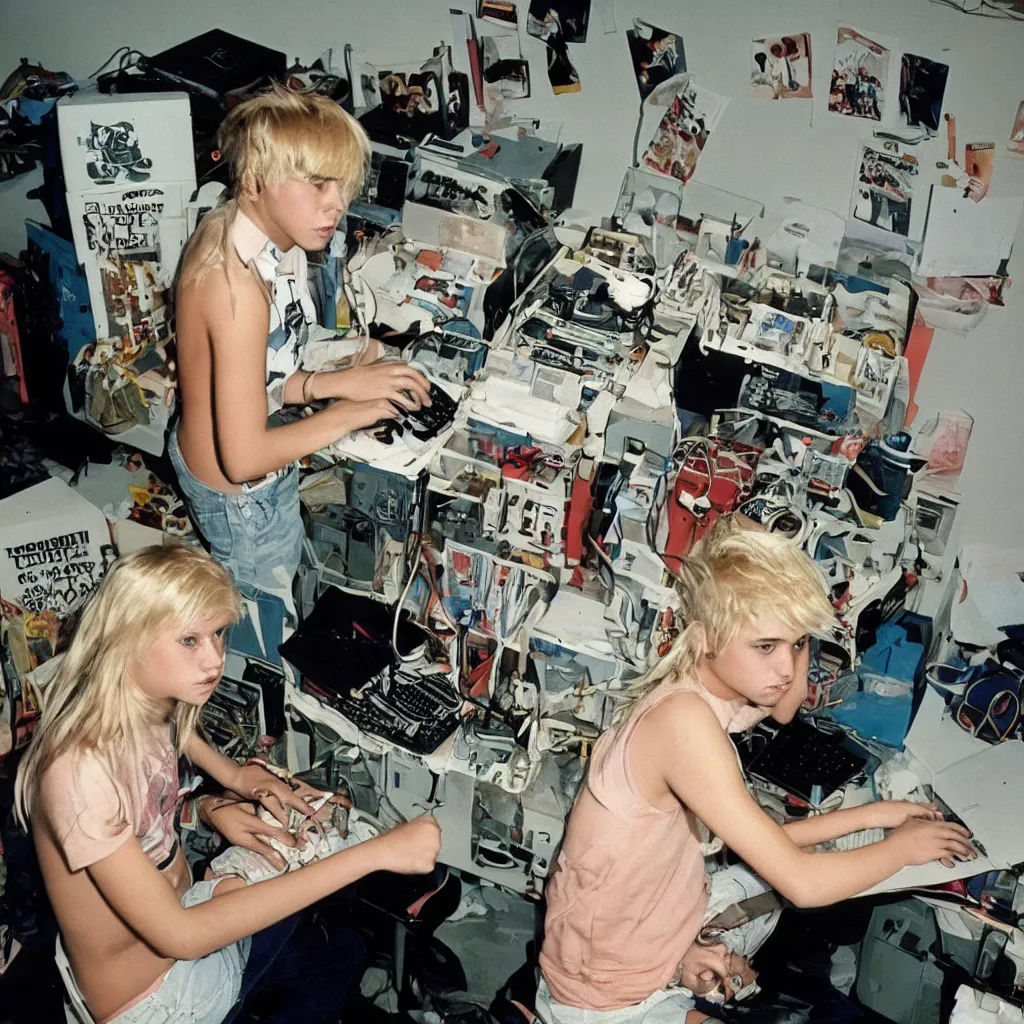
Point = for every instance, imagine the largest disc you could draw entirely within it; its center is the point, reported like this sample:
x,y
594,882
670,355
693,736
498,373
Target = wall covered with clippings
x,y
817,149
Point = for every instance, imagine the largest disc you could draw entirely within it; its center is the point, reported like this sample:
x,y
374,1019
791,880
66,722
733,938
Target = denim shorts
x,y
666,1006
201,991
256,534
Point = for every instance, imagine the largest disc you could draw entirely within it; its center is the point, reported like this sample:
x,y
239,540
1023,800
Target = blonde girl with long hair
x,y
243,313
100,790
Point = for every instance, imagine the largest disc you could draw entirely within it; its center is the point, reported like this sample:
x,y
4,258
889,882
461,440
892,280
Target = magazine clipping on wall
x,y
860,74
692,116
888,193
781,67
659,61
557,23
922,86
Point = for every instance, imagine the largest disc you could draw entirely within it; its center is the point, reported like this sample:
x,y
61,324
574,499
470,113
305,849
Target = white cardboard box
x,y
128,219
121,139
54,547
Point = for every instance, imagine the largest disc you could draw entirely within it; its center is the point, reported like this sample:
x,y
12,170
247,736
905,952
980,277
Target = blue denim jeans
x,y
192,990
255,534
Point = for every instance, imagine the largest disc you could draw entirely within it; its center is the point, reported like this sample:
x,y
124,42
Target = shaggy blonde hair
x,y
273,137
732,576
90,705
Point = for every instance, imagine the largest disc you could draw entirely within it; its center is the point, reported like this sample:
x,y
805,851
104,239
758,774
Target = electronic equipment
x,y
800,759
217,64
415,712
417,426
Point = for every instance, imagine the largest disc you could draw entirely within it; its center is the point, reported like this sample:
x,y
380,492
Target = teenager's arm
x,y
141,897
698,764
388,380
213,763
238,320
819,828
250,781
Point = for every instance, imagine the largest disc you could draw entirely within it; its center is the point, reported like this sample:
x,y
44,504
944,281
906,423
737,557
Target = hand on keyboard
x,y
420,424
893,813
920,841
396,382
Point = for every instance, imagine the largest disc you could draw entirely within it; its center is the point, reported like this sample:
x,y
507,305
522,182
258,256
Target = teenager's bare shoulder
x,y
234,287
229,302
680,716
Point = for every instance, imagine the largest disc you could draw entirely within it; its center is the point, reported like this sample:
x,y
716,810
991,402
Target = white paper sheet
x,y
986,792
965,237
979,782
808,234
994,593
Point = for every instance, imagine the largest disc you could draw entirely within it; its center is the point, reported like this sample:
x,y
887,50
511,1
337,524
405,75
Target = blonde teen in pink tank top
x,y
628,894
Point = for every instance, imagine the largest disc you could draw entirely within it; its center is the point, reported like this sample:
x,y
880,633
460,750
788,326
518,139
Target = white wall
x,y
763,150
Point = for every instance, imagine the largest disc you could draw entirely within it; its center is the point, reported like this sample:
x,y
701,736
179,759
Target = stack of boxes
x,y
129,170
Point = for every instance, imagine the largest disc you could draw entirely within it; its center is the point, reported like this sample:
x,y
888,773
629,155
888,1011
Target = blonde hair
x,y
732,576
90,705
275,136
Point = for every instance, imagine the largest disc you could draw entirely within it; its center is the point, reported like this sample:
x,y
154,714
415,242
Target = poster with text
x,y
129,240
54,548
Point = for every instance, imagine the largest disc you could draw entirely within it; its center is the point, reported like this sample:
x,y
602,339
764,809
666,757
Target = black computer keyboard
x,y
798,757
415,712
420,425
429,420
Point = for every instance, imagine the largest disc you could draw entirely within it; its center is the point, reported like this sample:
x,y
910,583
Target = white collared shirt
x,y
291,306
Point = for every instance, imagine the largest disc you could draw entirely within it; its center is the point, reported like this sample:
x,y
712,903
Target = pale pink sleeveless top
x,y
627,896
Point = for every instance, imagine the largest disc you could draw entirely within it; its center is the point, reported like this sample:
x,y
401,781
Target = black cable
x,y
127,62
126,55
121,50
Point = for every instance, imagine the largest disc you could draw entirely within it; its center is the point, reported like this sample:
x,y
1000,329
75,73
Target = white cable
x,y
401,602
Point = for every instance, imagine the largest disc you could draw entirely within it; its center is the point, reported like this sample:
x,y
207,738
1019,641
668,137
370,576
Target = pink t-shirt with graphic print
x,y
93,810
